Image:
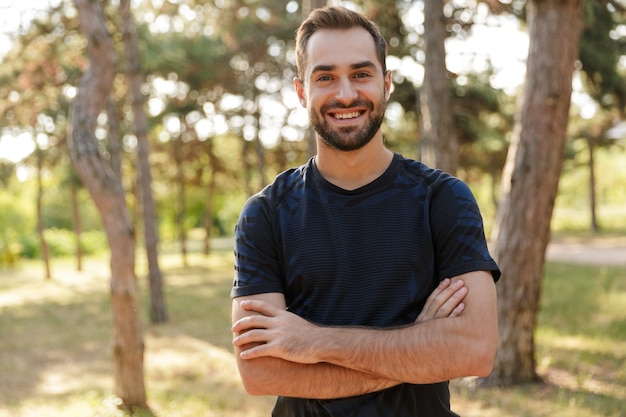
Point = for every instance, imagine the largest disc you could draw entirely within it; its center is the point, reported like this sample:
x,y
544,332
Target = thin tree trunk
x,y
45,250
247,167
78,228
108,194
438,143
115,138
530,183
208,211
134,75
260,161
595,226
182,206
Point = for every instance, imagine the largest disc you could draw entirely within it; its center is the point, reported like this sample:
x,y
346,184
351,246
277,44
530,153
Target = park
x,y
132,134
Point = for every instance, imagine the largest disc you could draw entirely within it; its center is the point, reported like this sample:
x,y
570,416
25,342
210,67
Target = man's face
x,y
344,88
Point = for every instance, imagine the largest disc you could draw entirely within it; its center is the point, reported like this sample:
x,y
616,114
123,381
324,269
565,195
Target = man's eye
x,y
324,78
362,75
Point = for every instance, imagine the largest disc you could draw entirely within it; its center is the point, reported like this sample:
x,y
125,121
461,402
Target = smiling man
x,y
363,282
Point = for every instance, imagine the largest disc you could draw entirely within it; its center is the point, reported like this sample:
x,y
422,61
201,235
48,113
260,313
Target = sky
x,y
498,40
15,14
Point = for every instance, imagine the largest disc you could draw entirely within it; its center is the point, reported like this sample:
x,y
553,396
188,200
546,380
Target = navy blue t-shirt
x,y
365,257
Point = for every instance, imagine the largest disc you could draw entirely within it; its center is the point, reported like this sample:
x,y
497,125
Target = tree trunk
x,y
45,250
78,228
210,198
530,183
182,192
438,144
260,156
106,190
115,138
134,76
595,226
247,167
208,212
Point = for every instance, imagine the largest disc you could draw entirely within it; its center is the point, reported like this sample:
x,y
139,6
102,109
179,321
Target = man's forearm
x,y
425,352
428,352
273,376
436,352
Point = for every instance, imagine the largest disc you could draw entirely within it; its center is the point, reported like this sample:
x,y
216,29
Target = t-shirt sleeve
x,y
458,231
256,260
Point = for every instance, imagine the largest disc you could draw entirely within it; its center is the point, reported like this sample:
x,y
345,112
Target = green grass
x,y
55,357
581,351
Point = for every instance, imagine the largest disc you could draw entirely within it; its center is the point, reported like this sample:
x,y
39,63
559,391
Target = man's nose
x,y
346,91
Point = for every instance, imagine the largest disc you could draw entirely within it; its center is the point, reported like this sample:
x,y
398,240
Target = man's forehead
x,y
340,47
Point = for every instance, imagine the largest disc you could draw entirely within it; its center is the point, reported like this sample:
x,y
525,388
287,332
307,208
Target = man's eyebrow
x,y
363,64
322,68
358,65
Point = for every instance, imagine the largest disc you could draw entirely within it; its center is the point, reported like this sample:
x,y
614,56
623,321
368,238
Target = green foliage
x,y
600,54
62,242
572,210
17,223
227,207
212,51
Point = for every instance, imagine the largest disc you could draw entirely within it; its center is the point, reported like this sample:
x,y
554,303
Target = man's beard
x,y
348,138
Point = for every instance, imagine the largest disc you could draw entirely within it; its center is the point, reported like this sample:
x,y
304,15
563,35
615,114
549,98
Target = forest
x,y
140,128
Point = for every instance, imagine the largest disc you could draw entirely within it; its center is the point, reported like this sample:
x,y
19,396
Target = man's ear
x,y
300,90
388,85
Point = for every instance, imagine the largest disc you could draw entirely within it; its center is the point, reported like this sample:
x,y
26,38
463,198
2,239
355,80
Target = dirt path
x,y
600,251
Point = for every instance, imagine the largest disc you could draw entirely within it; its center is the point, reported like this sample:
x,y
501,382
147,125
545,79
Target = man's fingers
x,y
458,310
255,321
252,336
453,300
262,307
444,301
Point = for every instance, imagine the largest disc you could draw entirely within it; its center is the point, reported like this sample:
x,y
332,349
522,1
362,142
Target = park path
x,y
609,251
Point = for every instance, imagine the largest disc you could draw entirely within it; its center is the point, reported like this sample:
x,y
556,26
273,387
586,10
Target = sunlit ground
x,y
55,355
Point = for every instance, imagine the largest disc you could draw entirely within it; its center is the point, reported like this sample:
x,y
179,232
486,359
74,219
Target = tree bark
x,y
530,182
108,195
182,194
115,138
595,226
78,228
134,76
210,197
438,144
45,250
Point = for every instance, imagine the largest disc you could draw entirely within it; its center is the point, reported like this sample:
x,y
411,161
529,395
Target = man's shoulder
x,y
418,171
284,185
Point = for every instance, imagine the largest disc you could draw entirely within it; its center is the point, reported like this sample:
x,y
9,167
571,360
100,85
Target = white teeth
x,y
347,115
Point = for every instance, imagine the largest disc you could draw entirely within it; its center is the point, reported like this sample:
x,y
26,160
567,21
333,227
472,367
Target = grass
x,y
581,351
55,356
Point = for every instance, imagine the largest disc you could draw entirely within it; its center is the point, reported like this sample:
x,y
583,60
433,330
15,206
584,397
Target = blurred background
x,y
202,113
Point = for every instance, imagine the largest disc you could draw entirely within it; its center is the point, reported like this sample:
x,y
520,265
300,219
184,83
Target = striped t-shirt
x,y
365,257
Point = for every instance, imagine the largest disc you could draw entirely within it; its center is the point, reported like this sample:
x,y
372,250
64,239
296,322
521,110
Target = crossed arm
x,y
279,353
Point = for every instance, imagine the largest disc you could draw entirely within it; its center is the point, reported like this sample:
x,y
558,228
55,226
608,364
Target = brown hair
x,y
336,18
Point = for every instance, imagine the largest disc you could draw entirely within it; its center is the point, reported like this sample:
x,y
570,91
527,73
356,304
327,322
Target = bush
x,y
93,241
31,248
60,242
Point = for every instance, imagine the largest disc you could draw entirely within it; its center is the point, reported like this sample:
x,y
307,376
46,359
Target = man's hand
x,y
445,301
282,334
274,332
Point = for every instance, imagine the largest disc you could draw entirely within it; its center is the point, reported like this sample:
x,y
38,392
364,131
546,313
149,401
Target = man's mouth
x,y
346,116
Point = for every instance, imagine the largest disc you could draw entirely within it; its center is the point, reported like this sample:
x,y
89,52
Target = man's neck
x,y
354,169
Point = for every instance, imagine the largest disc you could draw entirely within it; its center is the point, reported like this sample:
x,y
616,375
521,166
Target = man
x,y
335,261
